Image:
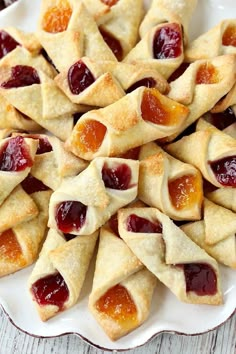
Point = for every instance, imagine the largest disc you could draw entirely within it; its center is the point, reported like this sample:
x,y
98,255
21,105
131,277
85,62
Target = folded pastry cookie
x,y
168,184
226,102
52,162
186,269
58,276
225,197
33,93
215,233
219,40
20,245
100,83
139,117
162,11
118,22
161,49
67,24
16,159
203,84
85,202
215,156
122,288
10,38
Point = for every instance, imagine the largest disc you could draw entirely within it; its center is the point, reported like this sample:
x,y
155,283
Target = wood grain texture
x,y
219,341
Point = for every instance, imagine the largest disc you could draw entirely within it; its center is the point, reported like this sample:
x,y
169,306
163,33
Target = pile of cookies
x,y
117,132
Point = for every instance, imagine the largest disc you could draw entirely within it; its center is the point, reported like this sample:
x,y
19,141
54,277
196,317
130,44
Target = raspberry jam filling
x,y
57,18
167,42
44,144
118,304
10,249
21,76
222,120
51,290
14,155
207,74
132,154
200,278
147,82
158,109
110,2
32,185
225,171
139,224
229,36
79,77
185,191
117,177
7,44
113,224
113,43
70,216
89,135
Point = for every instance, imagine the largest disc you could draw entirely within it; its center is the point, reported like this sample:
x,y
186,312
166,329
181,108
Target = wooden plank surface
x,y
219,341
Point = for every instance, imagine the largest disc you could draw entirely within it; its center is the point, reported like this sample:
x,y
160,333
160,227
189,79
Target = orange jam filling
x,y
158,109
185,191
56,18
110,2
229,36
10,250
90,135
207,74
117,304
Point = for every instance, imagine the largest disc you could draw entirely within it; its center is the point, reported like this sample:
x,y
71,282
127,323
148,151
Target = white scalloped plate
x,y
167,313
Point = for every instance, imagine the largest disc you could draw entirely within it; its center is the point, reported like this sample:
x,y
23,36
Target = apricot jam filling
x,y
158,109
135,223
7,43
79,77
51,290
207,74
113,43
229,36
167,42
200,278
90,135
185,191
225,171
10,250
70,216
118,305
56,18
117,177
14,155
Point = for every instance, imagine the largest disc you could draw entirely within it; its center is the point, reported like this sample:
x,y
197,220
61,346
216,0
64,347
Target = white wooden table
x,y
219,341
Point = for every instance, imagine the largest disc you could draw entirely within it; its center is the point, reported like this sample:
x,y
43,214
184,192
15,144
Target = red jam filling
x,y
178,72
222,120
79,77
51,290
132,154
167,42
113,44
110,2
44,144
118,177
138,224
7,44
14,155
119,305
32,185
147,82
21,76
200,278
225,171
70,216
113,223
229,36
